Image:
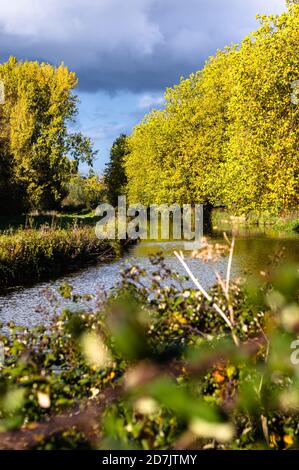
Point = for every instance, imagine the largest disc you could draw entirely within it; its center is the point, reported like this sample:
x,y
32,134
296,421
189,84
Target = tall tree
x,y
115,176
36,148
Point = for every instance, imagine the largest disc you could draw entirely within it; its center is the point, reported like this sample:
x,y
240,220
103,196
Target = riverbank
x,y
287,223
31,255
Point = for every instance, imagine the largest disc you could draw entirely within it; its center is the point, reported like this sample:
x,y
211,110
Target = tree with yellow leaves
x,y
37,154
229,133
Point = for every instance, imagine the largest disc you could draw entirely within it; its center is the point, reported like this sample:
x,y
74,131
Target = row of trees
x,y
229,133
38,155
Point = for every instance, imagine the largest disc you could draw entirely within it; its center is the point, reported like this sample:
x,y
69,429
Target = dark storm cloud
x,y
136,45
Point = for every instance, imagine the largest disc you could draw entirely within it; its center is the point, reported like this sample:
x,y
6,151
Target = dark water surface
x,y
254,250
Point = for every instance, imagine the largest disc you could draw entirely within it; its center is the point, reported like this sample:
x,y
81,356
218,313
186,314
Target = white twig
x,y
202,290
266,356
226,294
221,283
229,265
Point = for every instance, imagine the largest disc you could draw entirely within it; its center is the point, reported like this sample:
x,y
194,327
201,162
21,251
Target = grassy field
x,y
52,219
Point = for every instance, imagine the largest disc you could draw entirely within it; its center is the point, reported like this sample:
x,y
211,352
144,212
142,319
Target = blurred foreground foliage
x,y
152,365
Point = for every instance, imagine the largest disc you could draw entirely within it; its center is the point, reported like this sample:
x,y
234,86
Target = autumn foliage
x,y
228,133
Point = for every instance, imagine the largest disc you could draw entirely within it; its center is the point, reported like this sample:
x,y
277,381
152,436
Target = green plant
x,y
156,366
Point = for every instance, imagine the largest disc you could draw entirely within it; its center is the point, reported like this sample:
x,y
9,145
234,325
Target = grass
x,y
53,219
29,255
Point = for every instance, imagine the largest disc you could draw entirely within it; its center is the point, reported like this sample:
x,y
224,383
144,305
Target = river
x,y
254,249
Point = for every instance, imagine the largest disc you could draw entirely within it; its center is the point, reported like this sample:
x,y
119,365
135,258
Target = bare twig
x,y
265,429
227,296
180,257
229,264
266,356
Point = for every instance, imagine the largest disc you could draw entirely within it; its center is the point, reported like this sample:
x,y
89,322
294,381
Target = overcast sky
x,y
125,52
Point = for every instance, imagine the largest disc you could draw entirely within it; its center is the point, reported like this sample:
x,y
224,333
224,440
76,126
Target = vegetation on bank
x,y
53,219
228,134
287,223
159,365
29,255
288,226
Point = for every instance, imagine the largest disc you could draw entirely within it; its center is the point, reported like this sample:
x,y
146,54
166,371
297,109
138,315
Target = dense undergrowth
x,y
30,255
158,365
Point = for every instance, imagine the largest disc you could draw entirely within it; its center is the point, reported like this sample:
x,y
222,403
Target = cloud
x,y
104,131
147,101
134,45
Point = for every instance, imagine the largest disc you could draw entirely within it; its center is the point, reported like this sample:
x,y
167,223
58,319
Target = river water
x,y
254,249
